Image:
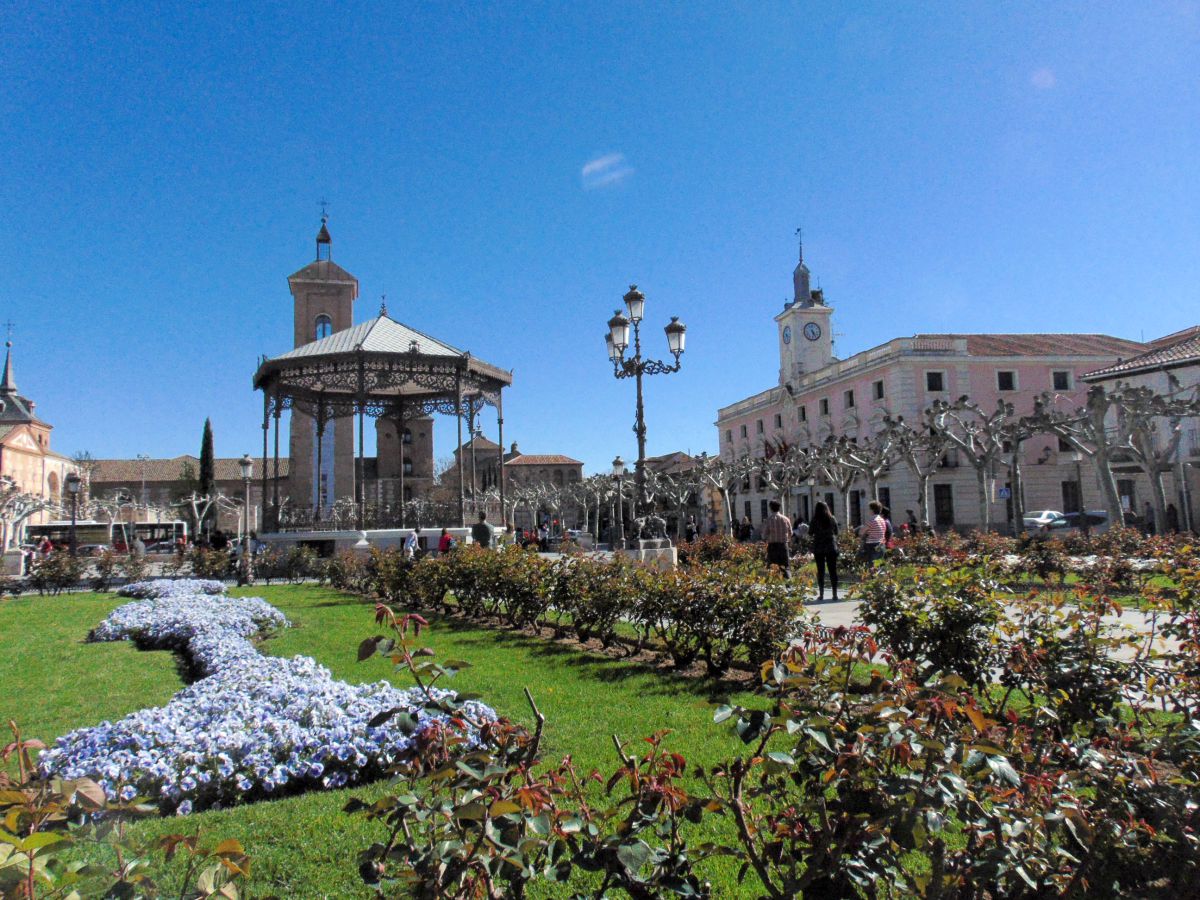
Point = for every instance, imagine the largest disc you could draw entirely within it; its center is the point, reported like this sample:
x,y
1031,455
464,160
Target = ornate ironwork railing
x,y
343,516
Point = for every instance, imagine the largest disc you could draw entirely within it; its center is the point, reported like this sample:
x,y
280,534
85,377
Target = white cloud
x,y
609,169
1043,79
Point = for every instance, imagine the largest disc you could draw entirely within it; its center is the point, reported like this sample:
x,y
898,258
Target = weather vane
x,y
324,209
800,235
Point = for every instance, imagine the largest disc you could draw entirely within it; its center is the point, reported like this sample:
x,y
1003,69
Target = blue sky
x,y
504,172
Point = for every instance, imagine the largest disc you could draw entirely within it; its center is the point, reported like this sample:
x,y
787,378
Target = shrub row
x,y
732,610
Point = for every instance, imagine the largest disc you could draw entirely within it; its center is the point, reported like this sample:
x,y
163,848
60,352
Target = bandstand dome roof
x,y
379,359
379,335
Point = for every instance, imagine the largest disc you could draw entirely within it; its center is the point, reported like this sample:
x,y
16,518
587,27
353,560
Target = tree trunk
x,y
985,512
1108,485
1017,488
923,479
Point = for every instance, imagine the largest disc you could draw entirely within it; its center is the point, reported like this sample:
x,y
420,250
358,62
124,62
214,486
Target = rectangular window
x,y
1064,447
729,435
758,429
824,406
1006,381
935,381
885,497
855,514
778,420
1061,381
877,389
762,510
943,505
748,507
1070,497
848,399
743,431
803,414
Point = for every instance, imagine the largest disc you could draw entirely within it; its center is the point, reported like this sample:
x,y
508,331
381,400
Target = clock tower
x,y
805,329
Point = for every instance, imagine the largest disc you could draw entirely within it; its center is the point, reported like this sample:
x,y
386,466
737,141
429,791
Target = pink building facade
x,y
819,396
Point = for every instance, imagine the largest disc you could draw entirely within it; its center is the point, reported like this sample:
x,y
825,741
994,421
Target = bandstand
x,y
378,368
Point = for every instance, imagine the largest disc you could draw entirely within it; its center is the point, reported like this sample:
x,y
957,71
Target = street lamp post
x,y
245,570
74,483
617,342
618,471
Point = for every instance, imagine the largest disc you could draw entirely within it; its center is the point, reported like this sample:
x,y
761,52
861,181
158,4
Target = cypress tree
x,y
207,474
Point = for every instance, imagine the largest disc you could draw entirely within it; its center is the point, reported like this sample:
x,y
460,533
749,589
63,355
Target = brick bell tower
x,y
323,295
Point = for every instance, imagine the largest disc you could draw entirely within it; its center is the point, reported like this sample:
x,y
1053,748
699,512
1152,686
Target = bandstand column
x,y
500,452
458,415
360,487
275,472
266,434
320,442
403,451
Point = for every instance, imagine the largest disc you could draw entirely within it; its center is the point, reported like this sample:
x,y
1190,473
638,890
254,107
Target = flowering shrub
x,y
166,588
251,726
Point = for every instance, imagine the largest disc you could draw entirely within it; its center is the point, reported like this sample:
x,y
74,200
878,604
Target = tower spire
x,y
800,236
8,385
323,238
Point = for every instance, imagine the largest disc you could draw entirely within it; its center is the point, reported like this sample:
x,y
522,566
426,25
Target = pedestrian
x,y
777,530
543,538
45,548
746,531
445,542
823,531
913,525
690,531
412,544
799,534
481,531
889,538
874,533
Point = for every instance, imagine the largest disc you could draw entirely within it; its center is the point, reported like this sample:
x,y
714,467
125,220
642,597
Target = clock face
x,y
812,331
787,334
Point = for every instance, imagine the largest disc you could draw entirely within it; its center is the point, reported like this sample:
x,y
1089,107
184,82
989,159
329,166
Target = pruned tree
x,y
17,507
978,435
1086,430
724,476
872,459
677,492
786,467
834,463
922,450
1150,427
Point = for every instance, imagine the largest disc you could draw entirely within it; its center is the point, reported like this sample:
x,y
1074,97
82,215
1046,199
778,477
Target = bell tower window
x,y
323,327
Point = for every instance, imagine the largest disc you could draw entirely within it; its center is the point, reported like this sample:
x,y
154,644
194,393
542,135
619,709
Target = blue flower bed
x,y
251,727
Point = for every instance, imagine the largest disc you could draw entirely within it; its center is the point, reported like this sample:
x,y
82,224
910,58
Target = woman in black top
x,y
822,532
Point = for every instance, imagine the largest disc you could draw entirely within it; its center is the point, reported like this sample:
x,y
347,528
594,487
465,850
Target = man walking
x,y
777,531
481,531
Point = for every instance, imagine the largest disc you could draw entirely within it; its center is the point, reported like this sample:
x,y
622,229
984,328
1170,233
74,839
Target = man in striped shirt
x,y
777,531
874,533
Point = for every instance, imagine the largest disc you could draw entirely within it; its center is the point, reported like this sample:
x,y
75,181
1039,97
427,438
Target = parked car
x,y
1039,517
1072,523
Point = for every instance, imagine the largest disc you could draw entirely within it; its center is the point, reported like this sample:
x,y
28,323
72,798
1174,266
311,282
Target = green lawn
x,y
304,846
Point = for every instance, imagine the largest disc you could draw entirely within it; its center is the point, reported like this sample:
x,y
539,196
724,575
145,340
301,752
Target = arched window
x,y
408,467
558,478
52,486
323,327
407,437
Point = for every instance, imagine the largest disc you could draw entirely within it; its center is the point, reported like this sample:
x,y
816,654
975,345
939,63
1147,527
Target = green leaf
x,y
784,759
633,856
367,648
42,839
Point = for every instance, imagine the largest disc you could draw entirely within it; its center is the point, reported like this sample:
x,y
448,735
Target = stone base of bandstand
x,y
653,554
